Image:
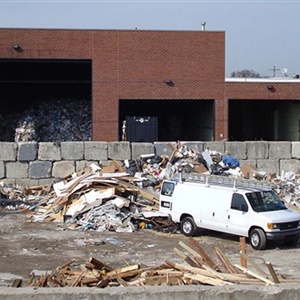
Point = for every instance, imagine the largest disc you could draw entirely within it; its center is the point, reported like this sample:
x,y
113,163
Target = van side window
x,y
238,202
167,188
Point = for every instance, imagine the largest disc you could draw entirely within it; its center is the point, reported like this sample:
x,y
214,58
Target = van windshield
x,y
265,201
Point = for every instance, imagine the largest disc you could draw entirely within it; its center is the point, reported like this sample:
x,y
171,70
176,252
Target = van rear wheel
x,y
188,226
258,239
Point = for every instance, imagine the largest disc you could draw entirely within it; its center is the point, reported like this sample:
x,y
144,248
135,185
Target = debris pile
x,y
125,197
91,199
54,120
25,132
198,268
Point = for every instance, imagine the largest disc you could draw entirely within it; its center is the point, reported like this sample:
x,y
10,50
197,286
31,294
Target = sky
x,y
259,35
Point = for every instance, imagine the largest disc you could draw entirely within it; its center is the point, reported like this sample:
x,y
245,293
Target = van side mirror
x,y
243,207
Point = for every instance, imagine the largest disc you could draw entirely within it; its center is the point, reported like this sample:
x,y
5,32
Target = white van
x,y
237,207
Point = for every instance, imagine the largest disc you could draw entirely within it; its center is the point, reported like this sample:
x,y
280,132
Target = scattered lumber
x,y
95,273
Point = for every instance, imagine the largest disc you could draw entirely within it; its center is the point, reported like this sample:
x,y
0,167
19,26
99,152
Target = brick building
x,y
166,85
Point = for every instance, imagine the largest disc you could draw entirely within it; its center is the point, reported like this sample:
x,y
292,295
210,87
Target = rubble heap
x,y
125,197
91,199
54,120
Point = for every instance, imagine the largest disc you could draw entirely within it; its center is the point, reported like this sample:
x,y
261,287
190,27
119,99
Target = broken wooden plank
x,y
186,258
89,281
67,264
123,272
202,253
56,281
194,253
267,281
99,265
77,280
122,282
252,262
142,192
17,283
163,280
206,280
224,261
272,272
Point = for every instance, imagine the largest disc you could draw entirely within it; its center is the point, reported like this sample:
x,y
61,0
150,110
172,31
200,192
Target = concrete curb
x,y
241,292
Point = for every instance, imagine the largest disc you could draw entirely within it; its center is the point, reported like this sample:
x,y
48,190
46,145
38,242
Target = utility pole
x,y
274,70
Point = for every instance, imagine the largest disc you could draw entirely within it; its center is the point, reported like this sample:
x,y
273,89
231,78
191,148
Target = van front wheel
x,y
188,226
258,239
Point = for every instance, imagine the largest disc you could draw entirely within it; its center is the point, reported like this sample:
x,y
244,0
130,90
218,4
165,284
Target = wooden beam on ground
x,y
76,282
17,283
207,280
67,264
202,253
123,272
267,281
272,272
224,261
186,258
99,265
257,268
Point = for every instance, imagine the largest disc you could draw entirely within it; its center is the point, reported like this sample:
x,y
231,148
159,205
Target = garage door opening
x,y
184,120
268,120
52,96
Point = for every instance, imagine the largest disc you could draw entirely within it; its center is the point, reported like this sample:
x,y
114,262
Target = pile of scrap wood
x,y
198,268
92,199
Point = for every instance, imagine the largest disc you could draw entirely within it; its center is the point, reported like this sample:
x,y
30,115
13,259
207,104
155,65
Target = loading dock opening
x,y
26,84
186,120
271,120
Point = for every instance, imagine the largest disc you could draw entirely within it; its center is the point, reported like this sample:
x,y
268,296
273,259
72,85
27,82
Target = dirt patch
x,y
44,246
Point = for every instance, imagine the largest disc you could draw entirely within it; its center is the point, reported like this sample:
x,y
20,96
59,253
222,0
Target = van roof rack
x,y
225,181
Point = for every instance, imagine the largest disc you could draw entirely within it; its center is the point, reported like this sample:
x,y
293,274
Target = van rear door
x,y
165,197
238,215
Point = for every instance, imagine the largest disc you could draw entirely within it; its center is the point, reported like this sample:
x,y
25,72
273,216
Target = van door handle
x,y
228,217
213,214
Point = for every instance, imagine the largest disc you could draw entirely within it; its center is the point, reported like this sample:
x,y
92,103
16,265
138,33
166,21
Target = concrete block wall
x,y
32,163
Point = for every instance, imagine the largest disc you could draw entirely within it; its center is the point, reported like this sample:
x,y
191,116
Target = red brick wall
x,y
258,90
133,65
37,43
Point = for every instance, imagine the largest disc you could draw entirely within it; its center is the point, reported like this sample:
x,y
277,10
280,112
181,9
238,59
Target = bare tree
x,y
245,74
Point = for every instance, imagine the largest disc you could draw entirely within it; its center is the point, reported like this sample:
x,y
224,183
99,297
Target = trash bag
x,y
131,167
217,169
155,160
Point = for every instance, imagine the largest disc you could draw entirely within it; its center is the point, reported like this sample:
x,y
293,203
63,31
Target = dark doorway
x,y
185,120
53,94
269,120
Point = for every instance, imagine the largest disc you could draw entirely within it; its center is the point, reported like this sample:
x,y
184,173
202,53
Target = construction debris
x,y
198,269
62,119
93,200
125,197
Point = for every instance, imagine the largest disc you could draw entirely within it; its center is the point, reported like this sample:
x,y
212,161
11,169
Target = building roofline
x,y
263,80
101,29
